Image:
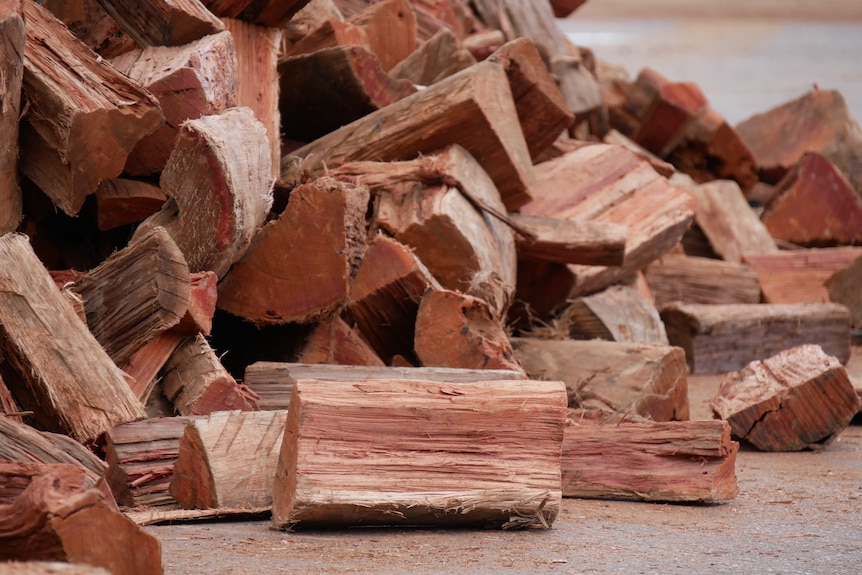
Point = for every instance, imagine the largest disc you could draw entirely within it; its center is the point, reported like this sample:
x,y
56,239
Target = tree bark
x,y
12,55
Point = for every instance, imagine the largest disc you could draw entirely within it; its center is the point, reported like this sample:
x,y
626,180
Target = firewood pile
x,y
395,262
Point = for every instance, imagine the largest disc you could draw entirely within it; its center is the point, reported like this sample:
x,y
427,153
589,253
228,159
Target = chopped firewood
x,y
328,34
146,363
818,121
647,380
217,179
385,295
815,204
79,107
458,330
197,383
442,14
53,568
53,364
203,294
543,288
333,341
8,407
729,223
563,8
472,107
569,242
93,26
799,276
438,57
483,44
140,457
659,165
163,22
618,313
137,293
390,27
54,512
676,461
190,81
212,472
444,476
843,288
678,277
121,201
800,398
300,266
311,105
311,17
722,338
275,13
12,56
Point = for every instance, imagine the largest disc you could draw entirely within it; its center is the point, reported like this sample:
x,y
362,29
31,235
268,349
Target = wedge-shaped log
x,y
421,462
274,14
326,33
390,27
659,165
436,58
689,279
334,341
300,266
147,362
569,242
54,512
647,380
203,294
800,398
799,276
122,201
61,372
228,460
163,22
473,108
193,80
843,288
85,117
618,313
217,179
12,56
137,293
676,461
722,338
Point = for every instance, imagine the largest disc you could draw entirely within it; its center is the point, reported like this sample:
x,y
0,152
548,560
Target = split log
x,y
570,242
163,22
647,380
678,277
12,56
483,44
814,204
329,33
300,266
563,8
452,14
203,294
274,14
144,366
659,165
473,108
140,457
121,201
274,381
8,406
217,179
390,27
438,57
93,26
678,461
80,108
457,330
54,513
799,276
53,364
312,105
137,293
843,288
197,383
190,81
443,476
798,399
818,121
385,295
722,338
333,341
212,471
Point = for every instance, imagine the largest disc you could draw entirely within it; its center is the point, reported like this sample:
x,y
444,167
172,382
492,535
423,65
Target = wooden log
x,y
163,22
53,568
509,479
212,471
12,55
80,107
301,265
60,371
799,276
123,201
570,242
659,165
436,58
203,294
678,277
144,366
93,26
473,108
483,44
312,105
800,398
677,461
217,179
563,8
385,295
647,380
843,288
390,27
814,204
457,330
8,406
452,14
55,513
817,121
137,293
190,81
274,14
722,338
333,341
329,33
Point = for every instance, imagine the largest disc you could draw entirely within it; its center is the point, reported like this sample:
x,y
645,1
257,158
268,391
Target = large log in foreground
x,y
420,453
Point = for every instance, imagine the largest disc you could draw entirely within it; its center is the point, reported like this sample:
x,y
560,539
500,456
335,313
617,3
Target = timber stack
x,y
304,221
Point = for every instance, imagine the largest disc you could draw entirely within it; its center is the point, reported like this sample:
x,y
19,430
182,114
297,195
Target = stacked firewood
x,y
353,260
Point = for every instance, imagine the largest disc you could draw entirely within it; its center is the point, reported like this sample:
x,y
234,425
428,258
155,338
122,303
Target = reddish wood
x,y
563,8
799,276
163,22
144,366
333,341
617,313
274,14
678,277
390,27
328,34
843,288
203,295
438,57
569,242
122,201
12,55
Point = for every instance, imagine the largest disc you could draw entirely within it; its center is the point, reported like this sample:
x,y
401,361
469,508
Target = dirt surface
x,y
807,10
